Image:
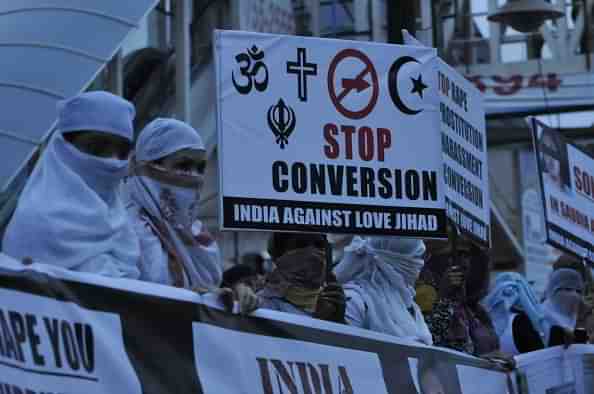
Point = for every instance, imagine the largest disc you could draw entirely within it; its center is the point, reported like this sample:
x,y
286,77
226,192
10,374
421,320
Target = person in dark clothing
x,y
239,273
331,305
300,282
255,261
449,293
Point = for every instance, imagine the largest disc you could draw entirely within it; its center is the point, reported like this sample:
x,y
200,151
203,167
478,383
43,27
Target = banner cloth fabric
x,y
65,332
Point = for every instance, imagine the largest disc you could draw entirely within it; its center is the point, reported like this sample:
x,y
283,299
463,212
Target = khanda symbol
x,y
281,120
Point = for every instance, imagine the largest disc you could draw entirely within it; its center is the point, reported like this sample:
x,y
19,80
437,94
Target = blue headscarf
x,y
512,291
70,213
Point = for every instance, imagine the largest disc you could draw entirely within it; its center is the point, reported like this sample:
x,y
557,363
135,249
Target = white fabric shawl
x,y
380,275
70,213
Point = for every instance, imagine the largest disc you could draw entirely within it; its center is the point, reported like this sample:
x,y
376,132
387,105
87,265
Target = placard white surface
x,y
328,136
58,347
275,365
567,181
464,143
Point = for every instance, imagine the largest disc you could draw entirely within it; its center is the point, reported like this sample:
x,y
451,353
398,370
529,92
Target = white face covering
x,y
182,203
386,269
100,174
563,297
564,307
179,204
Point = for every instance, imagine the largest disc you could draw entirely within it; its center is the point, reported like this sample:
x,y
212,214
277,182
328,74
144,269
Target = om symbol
x,y
254,74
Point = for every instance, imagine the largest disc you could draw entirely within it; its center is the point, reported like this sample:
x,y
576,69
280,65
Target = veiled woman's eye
x,y
201,166
183,167
96,150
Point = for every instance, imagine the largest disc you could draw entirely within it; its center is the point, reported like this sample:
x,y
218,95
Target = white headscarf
x,y
386,269
70,213
171,209
561,307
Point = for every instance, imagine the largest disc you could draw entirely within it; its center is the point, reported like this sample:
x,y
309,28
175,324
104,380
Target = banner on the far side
x,y
567,181
335,136
464,146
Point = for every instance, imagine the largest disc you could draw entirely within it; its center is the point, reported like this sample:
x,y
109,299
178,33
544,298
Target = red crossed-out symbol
x,y
357,83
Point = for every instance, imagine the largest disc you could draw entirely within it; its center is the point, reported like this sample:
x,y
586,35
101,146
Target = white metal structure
x,y
52,50
538,72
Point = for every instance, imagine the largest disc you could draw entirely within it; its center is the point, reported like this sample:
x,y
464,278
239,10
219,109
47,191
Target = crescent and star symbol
x,y
418,85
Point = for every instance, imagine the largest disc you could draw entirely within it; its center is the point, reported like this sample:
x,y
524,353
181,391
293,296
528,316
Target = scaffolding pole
x,y
426,33
115,74
182,60
401,15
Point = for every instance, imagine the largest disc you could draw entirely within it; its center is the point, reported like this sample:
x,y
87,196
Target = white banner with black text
x,y
331,136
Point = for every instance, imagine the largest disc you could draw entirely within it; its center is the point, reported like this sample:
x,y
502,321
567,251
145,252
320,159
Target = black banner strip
x,y
255,213
568,238
473,236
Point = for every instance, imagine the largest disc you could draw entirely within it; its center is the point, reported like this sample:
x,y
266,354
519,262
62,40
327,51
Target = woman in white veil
x,y
378,275
70,213
167,175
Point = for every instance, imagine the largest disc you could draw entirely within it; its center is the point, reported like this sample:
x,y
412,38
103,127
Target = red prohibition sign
x,y
357,83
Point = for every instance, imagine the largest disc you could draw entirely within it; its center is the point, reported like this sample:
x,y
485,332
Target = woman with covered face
x,y
512,301
379,275
561,306
167,174
551,323
70,213
295,284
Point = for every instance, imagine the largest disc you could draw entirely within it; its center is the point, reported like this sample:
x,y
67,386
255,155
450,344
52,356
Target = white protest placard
x,y
464,145
325,135
567,181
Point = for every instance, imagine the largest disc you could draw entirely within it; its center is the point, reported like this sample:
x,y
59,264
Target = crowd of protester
x,y
104,202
